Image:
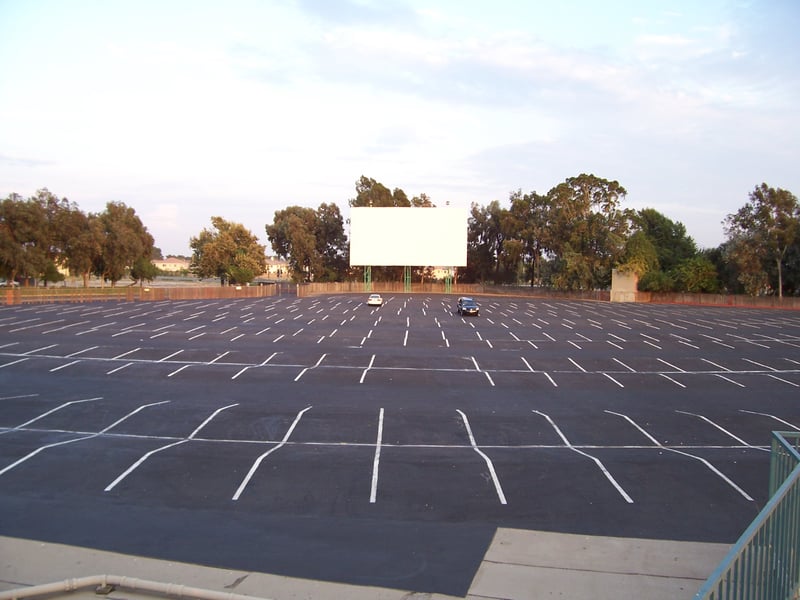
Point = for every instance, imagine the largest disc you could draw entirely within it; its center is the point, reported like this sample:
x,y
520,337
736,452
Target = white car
x,y
374,300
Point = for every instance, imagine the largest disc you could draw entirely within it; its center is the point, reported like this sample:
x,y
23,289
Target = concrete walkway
x,y
519,565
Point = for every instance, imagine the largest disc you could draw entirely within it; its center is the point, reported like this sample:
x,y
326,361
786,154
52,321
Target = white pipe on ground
x,y
118,581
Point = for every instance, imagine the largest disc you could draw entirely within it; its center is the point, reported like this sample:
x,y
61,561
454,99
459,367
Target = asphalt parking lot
x,y
322,438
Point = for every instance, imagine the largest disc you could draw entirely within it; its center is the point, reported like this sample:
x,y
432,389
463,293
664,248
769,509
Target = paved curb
x,y
518,565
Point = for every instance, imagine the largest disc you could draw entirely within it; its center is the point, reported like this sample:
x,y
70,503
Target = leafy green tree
x,y
24,243
229,251
124,240
331,244
485,237
293,237
528,217
727,272
143,270
371,193
313,242
75,239
422,201
762,231
51,274
791,263
84,242
640,256
588,230
657,281
697,275
668,237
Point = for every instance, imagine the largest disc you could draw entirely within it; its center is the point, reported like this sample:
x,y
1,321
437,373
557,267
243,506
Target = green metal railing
x,y
765,563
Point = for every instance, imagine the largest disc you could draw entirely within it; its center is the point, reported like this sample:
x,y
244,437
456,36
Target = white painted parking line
x,y
364,374
170,356
53,410
38,350
749,341
261,458
125,366
147,455
550,379
668,378
36,325
218,357
125,353
793,384
713,364
13,362
658,444
240,372
614,380
64,366
78,439
176,371
96,328
685,341
498,488
19,396
730,380
718,341
65,327
670,365
321,358
758,364
787,423
530,368
596,460
477,368
373,491
576,364
722,429
631,369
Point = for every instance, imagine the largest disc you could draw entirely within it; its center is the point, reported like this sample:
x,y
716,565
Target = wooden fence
x,y
49,295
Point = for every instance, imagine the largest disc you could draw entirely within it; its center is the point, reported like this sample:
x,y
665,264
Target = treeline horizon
x,y
569,238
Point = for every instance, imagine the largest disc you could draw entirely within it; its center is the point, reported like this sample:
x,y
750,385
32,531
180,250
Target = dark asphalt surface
x,y
321,438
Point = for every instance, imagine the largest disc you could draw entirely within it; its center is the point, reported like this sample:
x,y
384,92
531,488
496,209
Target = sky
x,y
186,110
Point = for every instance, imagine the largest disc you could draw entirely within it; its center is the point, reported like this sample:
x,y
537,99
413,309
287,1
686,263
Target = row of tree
x,y
571,237
43,234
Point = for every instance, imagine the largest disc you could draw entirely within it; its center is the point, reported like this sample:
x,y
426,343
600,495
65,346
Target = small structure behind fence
x,y
765,563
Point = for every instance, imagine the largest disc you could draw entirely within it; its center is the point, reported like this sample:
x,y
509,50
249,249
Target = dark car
x,y
467,306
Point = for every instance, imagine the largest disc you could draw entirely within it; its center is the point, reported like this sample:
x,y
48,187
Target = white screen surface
x,y
398,236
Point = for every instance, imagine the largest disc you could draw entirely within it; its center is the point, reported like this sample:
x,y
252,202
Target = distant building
x,y
171,265
277,268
